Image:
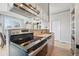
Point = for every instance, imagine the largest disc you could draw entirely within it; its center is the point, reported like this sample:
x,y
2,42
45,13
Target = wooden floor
x,y
61,50
3,51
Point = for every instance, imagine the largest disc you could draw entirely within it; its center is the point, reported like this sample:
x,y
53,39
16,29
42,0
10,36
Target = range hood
x,y
24,9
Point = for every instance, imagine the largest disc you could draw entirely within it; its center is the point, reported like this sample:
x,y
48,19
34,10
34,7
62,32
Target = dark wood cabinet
x,y
43,52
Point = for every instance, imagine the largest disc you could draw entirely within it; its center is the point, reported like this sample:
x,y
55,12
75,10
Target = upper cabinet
x,y
43,15
25,9
3,6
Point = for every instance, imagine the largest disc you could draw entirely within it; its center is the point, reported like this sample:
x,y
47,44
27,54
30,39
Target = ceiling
x,y
55,7
59,7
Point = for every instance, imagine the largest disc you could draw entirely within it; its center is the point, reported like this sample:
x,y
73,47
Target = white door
x,y
56,27
61,26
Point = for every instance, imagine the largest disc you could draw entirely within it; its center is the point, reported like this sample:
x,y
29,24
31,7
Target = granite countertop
x,y
37,41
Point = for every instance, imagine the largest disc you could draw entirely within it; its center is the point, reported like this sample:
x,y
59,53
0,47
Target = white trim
x,y
61,12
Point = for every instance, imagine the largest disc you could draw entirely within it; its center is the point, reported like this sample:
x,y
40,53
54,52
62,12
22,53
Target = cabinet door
x,y
77,28
2,39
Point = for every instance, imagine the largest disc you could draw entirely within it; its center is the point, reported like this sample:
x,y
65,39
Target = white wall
x,y
61,26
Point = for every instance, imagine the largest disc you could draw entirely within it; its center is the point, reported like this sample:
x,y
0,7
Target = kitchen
x,y
35,29
24,33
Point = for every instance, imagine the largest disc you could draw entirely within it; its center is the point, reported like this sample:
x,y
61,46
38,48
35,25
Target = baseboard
x,y
63,44
63,41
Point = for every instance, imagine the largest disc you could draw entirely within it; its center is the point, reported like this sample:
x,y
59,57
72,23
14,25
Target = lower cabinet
x,y
43,52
